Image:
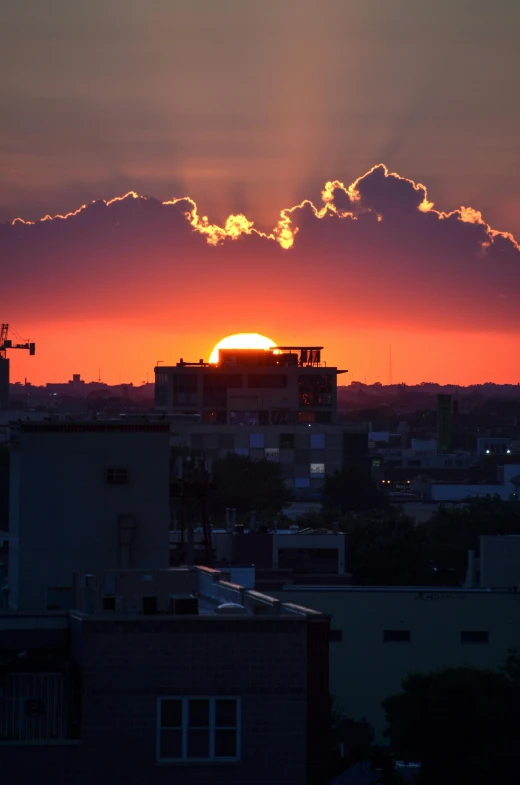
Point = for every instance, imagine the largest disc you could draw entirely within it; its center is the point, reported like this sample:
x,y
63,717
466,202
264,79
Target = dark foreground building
x,y
161,677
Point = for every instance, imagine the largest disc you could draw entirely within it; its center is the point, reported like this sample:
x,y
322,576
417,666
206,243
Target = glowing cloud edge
x,y
284,232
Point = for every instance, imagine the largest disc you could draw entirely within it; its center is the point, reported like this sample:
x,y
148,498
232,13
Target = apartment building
x,y
164,676
280,386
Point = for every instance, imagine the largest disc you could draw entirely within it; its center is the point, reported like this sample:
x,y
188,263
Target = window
x,y
244,418
317,470
272,454
241,450
195,729
226,441
474,636
267,380
117,476
257,440
315,389
302,482
335,636
282,417
216,385
317,441
287,441
197,441
184,389
396,636
218,417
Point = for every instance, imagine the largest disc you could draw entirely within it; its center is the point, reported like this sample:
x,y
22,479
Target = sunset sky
x,y
207,109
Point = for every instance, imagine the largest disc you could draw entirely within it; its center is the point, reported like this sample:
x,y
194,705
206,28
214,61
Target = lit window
x,y
317,470
302,482
117,476
317,441
257,440
272,454
195,729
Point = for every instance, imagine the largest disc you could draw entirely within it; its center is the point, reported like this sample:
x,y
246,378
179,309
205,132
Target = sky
x,y
206,110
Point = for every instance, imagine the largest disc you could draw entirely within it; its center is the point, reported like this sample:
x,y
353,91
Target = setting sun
x,y
241,341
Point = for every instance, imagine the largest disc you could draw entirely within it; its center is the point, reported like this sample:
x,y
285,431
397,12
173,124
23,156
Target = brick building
x,y
164,676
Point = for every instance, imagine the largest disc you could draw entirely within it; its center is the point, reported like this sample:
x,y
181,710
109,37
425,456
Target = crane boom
x,y
5,344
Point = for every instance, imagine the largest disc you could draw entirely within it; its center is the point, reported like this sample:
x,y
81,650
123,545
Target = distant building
x,y
306,453
84,495
279,404
286,385
271,559
165,676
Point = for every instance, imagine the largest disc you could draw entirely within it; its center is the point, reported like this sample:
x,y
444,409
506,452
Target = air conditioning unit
x,y
183,606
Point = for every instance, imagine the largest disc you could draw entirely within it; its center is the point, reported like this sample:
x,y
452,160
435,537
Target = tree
x,y
246,485
461,724
385,548
452,532
351,490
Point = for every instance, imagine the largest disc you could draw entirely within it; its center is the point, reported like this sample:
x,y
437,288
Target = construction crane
x,y
5,344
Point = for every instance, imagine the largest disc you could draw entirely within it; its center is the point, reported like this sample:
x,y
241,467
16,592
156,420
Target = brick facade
x,y
126,664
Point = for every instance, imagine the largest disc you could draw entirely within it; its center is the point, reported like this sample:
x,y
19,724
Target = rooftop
x,y
281,356
174,592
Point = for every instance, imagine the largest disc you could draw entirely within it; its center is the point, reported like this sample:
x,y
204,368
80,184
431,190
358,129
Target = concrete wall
x,y
64,514
364,670
500,561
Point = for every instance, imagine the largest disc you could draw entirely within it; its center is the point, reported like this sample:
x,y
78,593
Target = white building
x,y
508,489
84,496
379,634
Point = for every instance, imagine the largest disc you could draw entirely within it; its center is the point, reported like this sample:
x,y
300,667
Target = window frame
x,y
117,475
212,728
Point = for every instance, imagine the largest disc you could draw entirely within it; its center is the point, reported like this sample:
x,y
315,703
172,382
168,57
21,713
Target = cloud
x,y
373,252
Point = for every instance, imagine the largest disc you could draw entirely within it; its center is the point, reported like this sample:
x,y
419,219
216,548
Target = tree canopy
x,y
461,724
351,490
453,531
386,549
247,484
